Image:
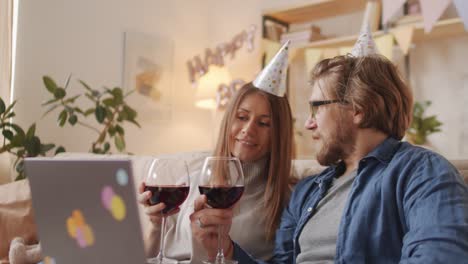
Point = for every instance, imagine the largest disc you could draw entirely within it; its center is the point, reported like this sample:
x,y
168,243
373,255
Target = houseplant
x,y
421,125
19,143
108,108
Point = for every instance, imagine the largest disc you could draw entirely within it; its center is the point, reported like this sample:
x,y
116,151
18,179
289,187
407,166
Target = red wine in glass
x,y
221,197
222,181
168,180
171,196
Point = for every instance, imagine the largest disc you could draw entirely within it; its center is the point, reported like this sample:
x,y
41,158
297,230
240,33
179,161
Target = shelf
x,y
315,10
442,29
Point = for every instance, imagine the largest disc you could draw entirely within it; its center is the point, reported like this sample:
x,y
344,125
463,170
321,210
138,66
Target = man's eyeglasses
x,y
314,105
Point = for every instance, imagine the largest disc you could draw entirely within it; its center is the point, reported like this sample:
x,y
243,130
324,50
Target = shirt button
x,y
309,209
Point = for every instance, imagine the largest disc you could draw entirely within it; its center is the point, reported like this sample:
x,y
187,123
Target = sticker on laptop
x,y
48,260
122,177
113,203
79,230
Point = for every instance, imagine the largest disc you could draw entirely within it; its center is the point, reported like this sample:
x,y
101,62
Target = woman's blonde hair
x,y
373,86
280,155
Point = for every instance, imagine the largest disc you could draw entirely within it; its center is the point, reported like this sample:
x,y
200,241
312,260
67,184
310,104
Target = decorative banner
x,y
226,92
79,230
312,56
270,47
431,12
198,67
390,7
404,37
462,9
345,50
385,45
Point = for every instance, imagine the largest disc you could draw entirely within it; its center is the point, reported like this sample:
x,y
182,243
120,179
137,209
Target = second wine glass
x,y
222,181
168,181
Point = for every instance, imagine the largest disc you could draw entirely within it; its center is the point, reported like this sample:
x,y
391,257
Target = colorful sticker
x,y
79,230
47,260
122,177
114,203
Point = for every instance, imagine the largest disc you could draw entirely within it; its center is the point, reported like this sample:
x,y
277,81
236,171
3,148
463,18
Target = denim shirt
x,y
406,205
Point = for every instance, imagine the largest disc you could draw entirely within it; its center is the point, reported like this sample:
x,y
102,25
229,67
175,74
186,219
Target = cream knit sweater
x,y
248,226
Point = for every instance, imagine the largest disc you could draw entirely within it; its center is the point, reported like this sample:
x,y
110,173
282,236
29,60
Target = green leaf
x,y
118,95
46,147
18,129
59,150
131,114
106,147
50,84
119,142
20,166
10,107
67,82
86,85
120,130
100,113
60,93
2,106
10,115
111,130
72,99
52,108
89,111
135,123
109,102
8,134
31,131
72,119
77,109
62,117
50,101
33,146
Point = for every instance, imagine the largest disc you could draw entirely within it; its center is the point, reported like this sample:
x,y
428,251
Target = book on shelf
x,y
300,37
274,30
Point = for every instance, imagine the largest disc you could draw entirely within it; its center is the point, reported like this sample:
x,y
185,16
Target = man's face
x,y
332,126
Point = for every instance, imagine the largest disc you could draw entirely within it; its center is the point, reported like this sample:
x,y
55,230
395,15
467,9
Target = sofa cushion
x,y
16,215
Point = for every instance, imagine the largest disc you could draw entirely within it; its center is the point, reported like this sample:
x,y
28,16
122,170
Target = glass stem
x,y
220,255
160,256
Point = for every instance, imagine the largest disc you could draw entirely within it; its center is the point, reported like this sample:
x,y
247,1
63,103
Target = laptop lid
x,y
85,210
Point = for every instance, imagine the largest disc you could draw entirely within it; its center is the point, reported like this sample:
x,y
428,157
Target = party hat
x,y
272,79
365,44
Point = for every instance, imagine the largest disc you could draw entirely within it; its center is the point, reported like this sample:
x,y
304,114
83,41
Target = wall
x,y
85,38
58,37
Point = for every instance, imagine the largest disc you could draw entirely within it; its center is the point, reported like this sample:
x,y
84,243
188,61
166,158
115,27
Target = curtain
x,y
6,30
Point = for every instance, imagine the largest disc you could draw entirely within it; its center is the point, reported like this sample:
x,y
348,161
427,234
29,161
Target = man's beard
x,y
337,145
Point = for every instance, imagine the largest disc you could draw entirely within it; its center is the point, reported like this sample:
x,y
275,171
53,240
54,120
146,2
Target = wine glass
x,y
222,181
168,181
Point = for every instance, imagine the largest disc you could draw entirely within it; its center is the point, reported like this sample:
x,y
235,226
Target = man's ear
x,y
358,116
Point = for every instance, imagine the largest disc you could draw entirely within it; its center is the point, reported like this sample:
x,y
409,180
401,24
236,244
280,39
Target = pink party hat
x,y
272,79
365,44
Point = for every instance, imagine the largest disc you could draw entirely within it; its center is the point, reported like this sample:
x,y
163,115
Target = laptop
x,y
85,210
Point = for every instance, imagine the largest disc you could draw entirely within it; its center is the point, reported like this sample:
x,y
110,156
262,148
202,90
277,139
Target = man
x,y
380,200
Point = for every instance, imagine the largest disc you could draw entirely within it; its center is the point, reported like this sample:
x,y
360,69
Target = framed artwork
x,y
148,71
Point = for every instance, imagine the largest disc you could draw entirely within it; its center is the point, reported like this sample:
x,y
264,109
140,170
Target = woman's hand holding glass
x,y
154,212
205,223
221,186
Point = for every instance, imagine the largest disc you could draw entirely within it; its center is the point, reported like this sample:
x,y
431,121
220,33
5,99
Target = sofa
x,y
16,215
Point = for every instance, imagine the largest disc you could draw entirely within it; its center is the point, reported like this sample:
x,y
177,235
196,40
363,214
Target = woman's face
x,y
250,132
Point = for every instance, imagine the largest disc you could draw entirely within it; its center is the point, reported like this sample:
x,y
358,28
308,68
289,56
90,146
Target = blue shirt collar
x,y
383,152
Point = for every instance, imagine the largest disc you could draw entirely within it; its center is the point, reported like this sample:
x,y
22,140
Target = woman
x,y
257,129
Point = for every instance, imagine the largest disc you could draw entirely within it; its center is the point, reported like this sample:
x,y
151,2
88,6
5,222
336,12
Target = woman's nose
x,y
310,123
248,127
